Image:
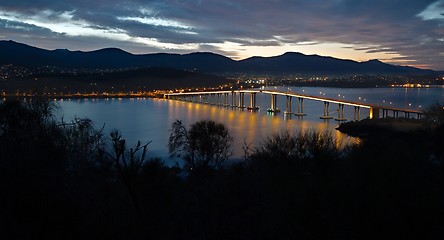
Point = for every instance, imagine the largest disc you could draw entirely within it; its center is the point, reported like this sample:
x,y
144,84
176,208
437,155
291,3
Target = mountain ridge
x,y
206,62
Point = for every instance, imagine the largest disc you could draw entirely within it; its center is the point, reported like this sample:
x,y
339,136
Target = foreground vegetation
x,y
67,180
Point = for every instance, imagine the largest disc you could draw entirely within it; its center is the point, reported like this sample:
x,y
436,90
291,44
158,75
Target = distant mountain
x,y
291,62
288,63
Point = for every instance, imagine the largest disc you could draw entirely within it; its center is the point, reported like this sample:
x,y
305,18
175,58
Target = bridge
x,y
222,98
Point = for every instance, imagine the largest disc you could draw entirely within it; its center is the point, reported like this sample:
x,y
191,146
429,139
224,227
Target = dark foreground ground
x,y
59,181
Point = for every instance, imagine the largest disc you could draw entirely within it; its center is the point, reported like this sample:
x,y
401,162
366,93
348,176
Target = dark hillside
x,y
288,63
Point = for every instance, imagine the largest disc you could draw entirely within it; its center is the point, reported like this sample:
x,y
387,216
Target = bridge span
x,y
236,99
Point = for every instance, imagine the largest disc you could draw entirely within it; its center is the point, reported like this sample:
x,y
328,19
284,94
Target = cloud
x,y
433,11
156,22
400,30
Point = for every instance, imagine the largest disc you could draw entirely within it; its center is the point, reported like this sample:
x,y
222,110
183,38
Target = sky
x,y
401,32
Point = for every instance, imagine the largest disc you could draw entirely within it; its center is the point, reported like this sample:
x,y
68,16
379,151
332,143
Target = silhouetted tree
x,y
247,148
33,166
205,144
435,114
300,149
129,164
83,143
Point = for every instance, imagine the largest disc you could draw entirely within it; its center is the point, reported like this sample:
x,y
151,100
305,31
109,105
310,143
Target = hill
x,y
288,63
292,62
130,80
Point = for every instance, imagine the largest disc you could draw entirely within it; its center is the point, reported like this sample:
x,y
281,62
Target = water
x,y
409,98
150,119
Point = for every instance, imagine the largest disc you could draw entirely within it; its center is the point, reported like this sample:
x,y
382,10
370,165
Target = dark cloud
x,y
369,26
15,29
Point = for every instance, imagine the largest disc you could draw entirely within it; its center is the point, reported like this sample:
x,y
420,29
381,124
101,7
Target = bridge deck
x,y
304,96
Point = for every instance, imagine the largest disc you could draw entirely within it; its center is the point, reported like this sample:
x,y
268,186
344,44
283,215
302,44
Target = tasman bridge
x,y
236,99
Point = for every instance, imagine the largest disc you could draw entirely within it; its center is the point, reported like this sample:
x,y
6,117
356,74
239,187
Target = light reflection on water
x,y
151,119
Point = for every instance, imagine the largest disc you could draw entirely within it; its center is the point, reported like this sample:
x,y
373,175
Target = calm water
x,y
150,119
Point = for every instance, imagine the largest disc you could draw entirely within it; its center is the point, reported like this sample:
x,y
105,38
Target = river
x,y
147,119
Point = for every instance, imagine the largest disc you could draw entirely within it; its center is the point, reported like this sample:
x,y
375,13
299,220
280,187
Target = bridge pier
x,y
300,107
384,113
326,111
241,100
273,108
233,99
226,100
374,113
288,106
357,113
341,113
215,100
211,99
253,106
218,99
205,98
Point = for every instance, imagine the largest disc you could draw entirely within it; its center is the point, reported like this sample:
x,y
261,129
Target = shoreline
x,y
368,128
159,93
83,96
